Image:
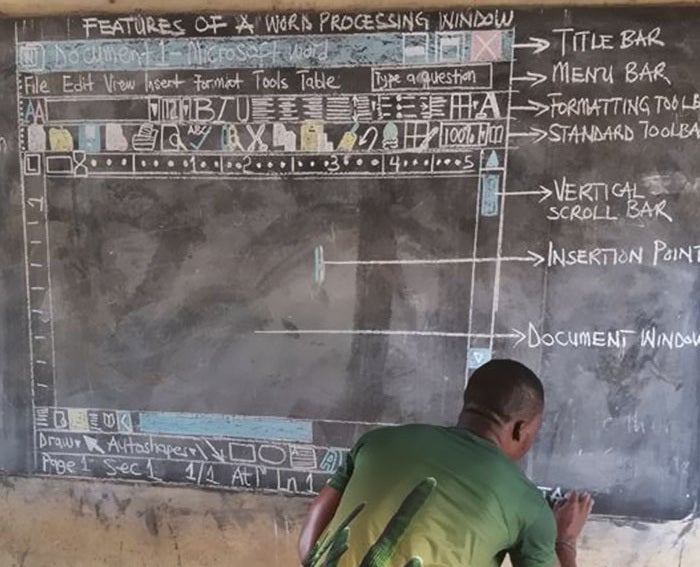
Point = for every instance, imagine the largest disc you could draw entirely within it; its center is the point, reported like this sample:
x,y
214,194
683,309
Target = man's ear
x,y
518,430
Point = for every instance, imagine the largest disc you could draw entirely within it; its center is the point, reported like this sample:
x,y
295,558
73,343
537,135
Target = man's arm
x,y
320,514
550,539
571,515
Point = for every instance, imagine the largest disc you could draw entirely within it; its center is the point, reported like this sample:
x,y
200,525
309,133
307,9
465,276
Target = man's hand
x,y
571,515
320,514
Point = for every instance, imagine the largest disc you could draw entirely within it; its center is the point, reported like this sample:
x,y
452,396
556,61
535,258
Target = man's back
x,y
443,496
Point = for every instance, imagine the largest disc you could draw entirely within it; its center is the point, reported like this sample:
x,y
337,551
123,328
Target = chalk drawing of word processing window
x,y
126,114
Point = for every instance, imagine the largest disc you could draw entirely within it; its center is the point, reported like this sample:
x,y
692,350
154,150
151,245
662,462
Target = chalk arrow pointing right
x,y
514,334
537,44
544,193
536,258
321,263
533,106
518,335
536,133
533,78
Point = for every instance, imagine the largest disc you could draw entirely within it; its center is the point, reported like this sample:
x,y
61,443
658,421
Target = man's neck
x,y
482,426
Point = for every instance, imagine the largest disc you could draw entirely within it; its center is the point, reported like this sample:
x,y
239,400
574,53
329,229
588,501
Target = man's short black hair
x,y
504,390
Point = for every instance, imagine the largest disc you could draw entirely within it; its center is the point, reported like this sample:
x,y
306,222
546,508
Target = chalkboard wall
x,y
233,243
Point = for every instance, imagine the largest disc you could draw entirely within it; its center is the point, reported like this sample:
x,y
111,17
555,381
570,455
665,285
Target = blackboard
x,y
233,243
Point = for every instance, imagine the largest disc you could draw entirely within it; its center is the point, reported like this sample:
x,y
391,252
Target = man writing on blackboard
x,y
421,495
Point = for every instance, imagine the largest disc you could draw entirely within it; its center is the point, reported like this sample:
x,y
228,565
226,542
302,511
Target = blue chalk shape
x,y
29,111
370,49
89,138
224,53
124,424
450,46
203,135
467,48
478,356
262,52
493,162
490,186
241,427
417,47
31,57
507,44
227,141
331,460
390,132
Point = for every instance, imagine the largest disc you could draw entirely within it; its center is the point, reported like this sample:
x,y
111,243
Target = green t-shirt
x,y
420,495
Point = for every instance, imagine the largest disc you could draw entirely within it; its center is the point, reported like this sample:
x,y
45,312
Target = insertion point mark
x,y
319,266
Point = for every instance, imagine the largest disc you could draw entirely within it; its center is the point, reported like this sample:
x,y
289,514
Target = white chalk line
x,y
475,242
269,97
428,262
263,177
501,220
228,463
48,285
28,296
388,332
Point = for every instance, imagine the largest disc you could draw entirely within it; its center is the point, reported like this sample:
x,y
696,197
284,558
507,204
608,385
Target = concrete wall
x,y
79,524
60,523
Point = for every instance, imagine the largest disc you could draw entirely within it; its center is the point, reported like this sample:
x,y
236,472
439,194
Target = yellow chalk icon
x,y
349,139
311,133
60,140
